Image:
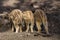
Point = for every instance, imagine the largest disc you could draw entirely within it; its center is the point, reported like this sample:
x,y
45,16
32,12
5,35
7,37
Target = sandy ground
x,y
26,36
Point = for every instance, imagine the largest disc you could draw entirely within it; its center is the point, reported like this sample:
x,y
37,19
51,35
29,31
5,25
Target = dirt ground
x,y
26,36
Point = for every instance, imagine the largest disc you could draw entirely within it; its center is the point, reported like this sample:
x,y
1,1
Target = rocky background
x,y
50,7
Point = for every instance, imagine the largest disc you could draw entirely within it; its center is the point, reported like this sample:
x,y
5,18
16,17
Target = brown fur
x,y
29,19
41,18
16,18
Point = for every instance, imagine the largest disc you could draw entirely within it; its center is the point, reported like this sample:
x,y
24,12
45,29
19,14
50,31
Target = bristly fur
x,y
41,18
29,19
16,17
